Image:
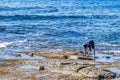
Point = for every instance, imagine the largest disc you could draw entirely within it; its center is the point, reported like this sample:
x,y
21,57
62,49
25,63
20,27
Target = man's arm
x,y
84,52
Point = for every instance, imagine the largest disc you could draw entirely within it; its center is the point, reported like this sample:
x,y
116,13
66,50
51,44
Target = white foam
x,y
110,51
5,44
107,44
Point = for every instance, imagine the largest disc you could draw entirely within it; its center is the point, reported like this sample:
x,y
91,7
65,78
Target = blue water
x,y
58,24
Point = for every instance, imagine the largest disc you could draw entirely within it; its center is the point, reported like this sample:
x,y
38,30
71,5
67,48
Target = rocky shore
x,y
58,65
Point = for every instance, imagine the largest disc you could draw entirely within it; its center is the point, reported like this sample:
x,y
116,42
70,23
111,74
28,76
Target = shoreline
x,y
62,64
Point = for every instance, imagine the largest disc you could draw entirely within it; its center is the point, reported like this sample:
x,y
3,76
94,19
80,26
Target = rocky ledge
x,y
64,64
67,62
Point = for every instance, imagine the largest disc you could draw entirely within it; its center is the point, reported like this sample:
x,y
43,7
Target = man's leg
x,y
93,49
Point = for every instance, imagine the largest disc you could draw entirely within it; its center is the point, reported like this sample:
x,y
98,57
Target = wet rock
x,y
67,63
61,63
107,57
85,58
116,54
94,72
118,76
96,57
17,55
83,70
64,54
47,54
41,68
79,57
31,54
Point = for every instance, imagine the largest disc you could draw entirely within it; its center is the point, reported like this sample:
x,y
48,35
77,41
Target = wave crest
x,y
5,44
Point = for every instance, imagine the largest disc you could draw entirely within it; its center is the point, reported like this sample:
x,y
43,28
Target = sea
x,y
33,25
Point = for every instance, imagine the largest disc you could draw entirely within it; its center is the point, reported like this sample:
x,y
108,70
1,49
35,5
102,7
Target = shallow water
x,y
115,70
27,67
2,63
22,56
100,57
9,78
43,75
116,79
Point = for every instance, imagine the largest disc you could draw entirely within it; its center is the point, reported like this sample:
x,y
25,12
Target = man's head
x,y
85,46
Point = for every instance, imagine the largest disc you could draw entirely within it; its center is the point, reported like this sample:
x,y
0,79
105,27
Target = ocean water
x,y
58,24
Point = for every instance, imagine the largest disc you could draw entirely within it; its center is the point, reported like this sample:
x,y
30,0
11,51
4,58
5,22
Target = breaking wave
x,y
5,44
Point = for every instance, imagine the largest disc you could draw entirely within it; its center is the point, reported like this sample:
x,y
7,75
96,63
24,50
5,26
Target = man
x,y
91,46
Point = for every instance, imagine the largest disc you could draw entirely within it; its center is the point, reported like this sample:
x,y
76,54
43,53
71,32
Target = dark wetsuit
x,y
90,44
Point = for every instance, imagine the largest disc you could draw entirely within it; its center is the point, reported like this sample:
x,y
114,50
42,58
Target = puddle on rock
x,y
9,78
105,57
2,63
115,70
22,56
43,75
27,67
116,79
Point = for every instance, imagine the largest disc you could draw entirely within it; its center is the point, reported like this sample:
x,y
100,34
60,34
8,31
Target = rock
x,y
85,58
73,57
94,72
41,68
31,54
67,63
63,54
116,55
65,57
47,54
96,57
83,71
17,55
107,57
118,76
79,57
